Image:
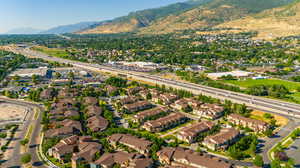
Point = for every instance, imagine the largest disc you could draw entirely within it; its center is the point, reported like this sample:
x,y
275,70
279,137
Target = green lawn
x,y
296,96
52,52
292,86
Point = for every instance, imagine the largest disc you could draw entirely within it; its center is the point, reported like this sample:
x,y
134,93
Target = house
x,y
86,154
255,125
47,94
108,160
82,149
183,104
188,158
61,132
128,100
141,163
90,101
68,93
63,148
111,89
221,140
93,110
138,106
97,123
71,113
165,99
144,115
145,94
66,103
189,133
69,123
134,90
166,122
180,104
210,111
141,145
154,92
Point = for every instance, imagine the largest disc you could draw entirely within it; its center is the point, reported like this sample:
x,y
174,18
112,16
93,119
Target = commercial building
x,y
236,74
28,73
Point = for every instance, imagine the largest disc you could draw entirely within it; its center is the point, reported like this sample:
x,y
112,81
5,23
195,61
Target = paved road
x,y
255,102
14,161
282,133
293,152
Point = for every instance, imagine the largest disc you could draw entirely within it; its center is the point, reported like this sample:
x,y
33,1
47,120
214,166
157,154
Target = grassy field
x,y
292,86
52,51
259,115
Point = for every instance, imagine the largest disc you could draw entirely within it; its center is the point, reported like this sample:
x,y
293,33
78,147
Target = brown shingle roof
x,y
151,112
97,123
194,158
139,143
197,128
173,117
223,136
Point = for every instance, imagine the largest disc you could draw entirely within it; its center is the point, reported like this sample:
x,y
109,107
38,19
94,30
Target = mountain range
x,y
270,18
72,28
24,30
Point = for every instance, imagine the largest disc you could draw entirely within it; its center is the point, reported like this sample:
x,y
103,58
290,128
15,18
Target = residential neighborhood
x,y
84,123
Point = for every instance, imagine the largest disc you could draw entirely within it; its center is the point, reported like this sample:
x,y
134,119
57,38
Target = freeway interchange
x,y
260,103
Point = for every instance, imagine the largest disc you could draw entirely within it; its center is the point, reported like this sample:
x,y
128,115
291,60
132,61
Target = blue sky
x,y
43,14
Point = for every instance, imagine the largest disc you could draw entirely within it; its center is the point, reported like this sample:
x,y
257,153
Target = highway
x,y
260,103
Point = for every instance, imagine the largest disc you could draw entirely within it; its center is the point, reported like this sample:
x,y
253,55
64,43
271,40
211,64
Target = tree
x,y
258,161
269,132
116,81
35,79
275,164
3,135
268,116
26,158
24,141
71,75
57,75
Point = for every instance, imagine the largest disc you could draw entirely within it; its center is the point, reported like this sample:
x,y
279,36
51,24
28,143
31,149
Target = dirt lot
x,y
12,112
282,121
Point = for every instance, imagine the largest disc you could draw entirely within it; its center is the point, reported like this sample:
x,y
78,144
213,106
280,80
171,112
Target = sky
x,y
44,14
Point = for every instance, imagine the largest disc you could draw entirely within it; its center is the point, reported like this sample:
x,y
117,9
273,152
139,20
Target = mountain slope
x,y
277,22
70,28
188,15
25,30
144,18
211,14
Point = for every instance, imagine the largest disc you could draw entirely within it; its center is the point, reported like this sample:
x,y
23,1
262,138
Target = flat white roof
x,y
233,73
42,71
